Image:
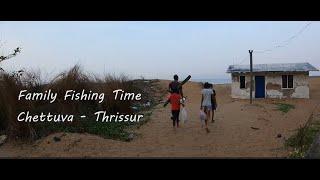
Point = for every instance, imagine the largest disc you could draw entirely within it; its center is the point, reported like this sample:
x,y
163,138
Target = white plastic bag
x,y
203,116
183,116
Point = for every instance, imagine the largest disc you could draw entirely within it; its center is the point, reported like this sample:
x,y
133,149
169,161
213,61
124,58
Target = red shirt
x,y
175,101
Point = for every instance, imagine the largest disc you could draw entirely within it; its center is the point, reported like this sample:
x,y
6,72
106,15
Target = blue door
x,y
260,86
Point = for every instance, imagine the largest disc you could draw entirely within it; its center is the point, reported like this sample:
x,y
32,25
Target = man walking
x,y
175,85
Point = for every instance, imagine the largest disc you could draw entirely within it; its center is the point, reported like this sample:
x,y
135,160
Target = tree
x,y
3,58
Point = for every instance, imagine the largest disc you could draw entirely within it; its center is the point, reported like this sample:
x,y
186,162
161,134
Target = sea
x,y
212,81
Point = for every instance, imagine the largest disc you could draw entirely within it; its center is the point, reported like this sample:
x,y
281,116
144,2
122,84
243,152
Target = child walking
x,y
175,101
213,102
206,102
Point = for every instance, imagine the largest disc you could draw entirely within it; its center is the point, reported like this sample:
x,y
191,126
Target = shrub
x,y
73,79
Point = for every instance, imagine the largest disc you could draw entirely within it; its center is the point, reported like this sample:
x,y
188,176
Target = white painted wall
x,y
238,93
274,79
301,84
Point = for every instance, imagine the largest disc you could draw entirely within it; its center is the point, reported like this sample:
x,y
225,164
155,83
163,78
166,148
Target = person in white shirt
x,y
206,102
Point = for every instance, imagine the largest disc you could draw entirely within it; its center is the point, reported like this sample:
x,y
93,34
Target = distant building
x,y
289,80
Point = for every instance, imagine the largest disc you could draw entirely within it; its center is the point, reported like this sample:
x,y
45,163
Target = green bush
x,y
303,139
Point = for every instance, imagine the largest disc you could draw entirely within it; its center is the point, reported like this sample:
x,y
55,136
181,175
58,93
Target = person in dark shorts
x,y
213,102
175,101
175,84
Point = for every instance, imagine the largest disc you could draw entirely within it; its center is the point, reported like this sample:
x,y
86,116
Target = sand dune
x,y
240,130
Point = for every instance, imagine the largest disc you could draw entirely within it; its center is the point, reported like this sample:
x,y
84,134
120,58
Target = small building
x,y
289,80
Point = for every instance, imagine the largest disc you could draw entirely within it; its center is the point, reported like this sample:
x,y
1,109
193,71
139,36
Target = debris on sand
x,y
263,119
148,104
56,139
279,136
134,108
255,128
130,137
3,139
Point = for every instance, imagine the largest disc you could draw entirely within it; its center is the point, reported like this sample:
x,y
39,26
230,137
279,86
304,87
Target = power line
x,y
286,42
286,58
244,59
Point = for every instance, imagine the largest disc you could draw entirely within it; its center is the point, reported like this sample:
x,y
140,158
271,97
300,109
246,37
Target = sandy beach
x,y
240,130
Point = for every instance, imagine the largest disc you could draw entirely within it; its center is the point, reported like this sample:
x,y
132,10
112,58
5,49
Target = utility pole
x,y
251,76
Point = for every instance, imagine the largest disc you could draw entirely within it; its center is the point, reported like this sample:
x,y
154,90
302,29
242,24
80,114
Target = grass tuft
x,y
284,107
302,140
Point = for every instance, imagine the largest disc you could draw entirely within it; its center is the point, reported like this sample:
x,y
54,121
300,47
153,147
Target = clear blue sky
x,y
155,49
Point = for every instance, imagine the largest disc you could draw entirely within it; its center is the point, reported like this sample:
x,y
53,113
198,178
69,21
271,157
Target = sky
x,y
156,49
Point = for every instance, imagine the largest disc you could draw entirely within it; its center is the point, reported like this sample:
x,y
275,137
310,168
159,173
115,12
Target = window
x,y
287,81
284,81
242,82
290,81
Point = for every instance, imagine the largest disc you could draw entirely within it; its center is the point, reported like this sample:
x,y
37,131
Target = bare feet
x,y
207,129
